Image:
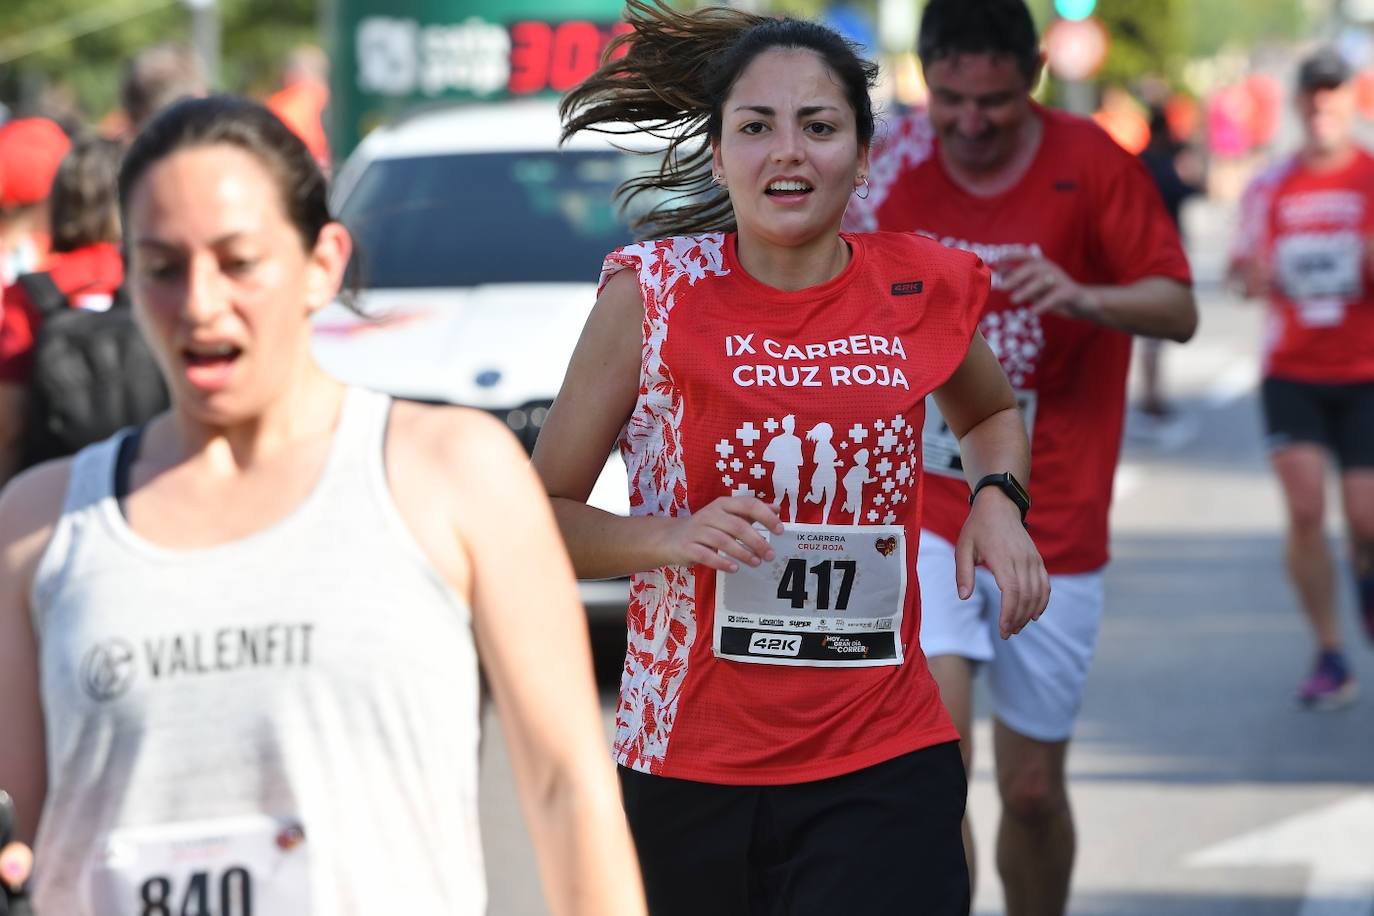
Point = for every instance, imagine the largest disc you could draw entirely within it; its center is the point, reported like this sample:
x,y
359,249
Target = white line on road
x,y
1334,841
1235,382
1128,480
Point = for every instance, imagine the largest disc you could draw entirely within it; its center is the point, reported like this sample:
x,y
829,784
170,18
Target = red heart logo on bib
x,y
886,545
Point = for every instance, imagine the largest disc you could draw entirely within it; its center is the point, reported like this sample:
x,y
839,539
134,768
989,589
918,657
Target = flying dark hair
x,y
950,27
672,81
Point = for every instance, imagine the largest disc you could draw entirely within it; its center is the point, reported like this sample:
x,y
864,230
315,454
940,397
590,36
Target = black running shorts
x,y
1339,417
883,840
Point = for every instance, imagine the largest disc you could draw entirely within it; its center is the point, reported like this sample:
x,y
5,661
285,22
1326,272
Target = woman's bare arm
x,y
598,395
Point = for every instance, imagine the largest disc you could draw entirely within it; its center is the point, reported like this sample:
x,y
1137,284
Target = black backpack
x,y
92,373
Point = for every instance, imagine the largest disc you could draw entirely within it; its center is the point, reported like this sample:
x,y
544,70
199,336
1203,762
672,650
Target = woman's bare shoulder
x,y
30,505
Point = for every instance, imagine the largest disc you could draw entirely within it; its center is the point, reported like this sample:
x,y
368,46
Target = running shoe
x,y
1329,686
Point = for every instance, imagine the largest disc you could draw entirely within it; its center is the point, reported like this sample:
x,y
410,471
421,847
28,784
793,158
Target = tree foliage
x,y
1147,37
84,69
1216,25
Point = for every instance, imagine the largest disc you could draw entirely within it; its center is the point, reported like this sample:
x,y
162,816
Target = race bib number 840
x,y
244,866
831,598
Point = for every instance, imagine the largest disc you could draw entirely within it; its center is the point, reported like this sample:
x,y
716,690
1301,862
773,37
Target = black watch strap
x,y
1008,485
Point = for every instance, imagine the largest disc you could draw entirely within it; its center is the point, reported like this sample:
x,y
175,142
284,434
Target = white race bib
x,y
243,866
1321,272
831,598
942,446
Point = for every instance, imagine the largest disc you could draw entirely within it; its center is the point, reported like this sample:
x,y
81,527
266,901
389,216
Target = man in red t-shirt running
x,y
1304,243
1083,256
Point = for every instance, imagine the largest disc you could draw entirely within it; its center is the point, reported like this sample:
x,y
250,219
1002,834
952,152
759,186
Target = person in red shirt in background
x,y
1083,256
301,101
30,151
1304,244
85,264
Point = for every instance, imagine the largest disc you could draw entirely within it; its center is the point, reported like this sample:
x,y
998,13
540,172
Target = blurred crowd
x,y
31,148
59,219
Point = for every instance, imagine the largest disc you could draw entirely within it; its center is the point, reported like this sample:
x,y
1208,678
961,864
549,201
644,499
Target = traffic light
x,y
1074,10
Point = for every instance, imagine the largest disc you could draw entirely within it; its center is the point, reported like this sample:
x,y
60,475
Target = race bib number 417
x,y
831,598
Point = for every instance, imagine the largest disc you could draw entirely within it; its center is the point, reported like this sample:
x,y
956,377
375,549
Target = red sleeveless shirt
x,y
811,400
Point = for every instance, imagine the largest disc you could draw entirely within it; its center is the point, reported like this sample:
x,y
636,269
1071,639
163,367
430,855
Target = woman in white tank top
x,y
246,679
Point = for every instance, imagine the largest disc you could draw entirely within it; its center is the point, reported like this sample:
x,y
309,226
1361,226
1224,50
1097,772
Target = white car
x,y
480,242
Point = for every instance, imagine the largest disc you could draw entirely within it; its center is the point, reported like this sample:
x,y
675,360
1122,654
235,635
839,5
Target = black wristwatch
x,y
1008,485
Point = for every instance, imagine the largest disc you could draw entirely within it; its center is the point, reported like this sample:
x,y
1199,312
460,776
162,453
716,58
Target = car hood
x,y
497,346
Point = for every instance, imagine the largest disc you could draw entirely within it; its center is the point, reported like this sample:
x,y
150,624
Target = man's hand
x,y
994,536
1046,287
1252,277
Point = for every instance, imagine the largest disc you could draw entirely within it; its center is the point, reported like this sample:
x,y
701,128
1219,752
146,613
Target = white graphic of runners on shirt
x,y
854,480
823,478
892,443
785,454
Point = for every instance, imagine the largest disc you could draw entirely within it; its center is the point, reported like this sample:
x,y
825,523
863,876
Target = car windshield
x,y
472,219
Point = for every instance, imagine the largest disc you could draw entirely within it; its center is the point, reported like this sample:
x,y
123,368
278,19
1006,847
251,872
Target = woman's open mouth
x,y
788,189
208,366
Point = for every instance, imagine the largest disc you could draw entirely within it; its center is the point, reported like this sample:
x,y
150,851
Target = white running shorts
x,y
1037,676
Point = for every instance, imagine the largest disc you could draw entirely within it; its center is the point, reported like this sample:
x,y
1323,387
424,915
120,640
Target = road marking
x,y
1335,842
1234,383
1128,480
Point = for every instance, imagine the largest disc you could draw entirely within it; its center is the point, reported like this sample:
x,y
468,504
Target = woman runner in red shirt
x,y
757,365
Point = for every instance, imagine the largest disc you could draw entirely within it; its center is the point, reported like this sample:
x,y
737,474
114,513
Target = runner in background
x,y
1304,244
1083,256
1162,158
781,743
302,98
156,77
239,646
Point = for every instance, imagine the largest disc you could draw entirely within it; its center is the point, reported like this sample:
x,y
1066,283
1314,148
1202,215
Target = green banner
x,y
392,55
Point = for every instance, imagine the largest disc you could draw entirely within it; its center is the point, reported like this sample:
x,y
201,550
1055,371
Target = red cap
x,y
31,149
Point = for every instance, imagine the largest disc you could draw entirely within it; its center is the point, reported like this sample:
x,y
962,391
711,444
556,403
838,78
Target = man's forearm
x,y
1152,307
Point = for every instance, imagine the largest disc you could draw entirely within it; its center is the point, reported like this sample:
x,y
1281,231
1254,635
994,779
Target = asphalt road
x,y
1200,788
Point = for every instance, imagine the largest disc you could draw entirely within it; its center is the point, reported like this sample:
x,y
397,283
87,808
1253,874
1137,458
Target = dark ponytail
x,y
672,81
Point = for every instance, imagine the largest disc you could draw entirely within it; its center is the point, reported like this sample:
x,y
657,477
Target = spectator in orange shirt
x,y
1120,117
301,101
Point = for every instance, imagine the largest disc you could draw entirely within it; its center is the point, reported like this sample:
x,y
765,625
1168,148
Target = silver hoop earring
x,y
865,186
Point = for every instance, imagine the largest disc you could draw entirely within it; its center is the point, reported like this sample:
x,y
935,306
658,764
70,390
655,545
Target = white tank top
x,y
206,708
